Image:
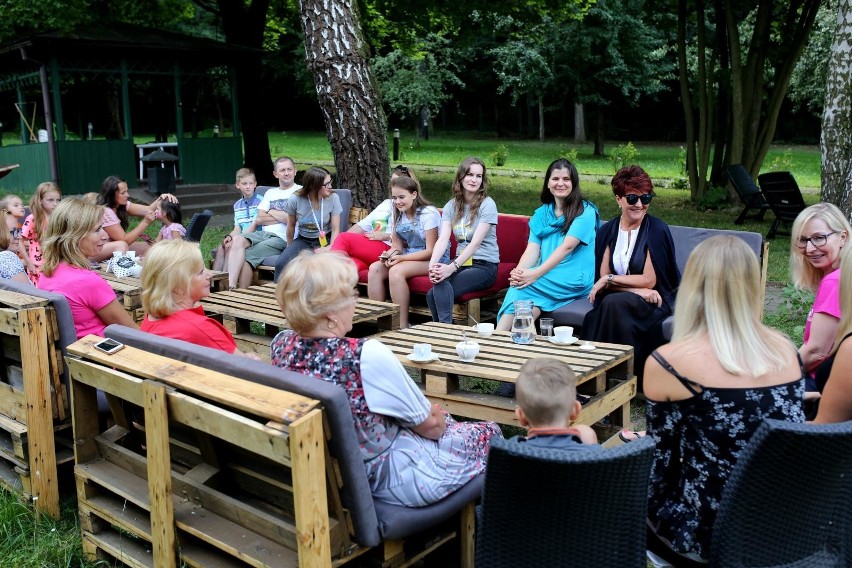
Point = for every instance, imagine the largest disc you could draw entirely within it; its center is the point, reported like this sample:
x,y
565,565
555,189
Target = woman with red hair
x,y
636,274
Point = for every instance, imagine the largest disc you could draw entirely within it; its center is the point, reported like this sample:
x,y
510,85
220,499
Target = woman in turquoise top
x,y
558,265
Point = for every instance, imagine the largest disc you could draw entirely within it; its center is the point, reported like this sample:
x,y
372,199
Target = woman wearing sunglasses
x,y
636,273
819,234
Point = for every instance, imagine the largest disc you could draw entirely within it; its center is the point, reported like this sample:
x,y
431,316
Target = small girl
x,y
15,206
45,199
171,218
414,232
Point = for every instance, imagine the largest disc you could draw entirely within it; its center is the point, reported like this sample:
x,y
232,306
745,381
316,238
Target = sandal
x,y
628,436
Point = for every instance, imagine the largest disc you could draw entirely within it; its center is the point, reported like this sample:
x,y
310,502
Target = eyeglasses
x,y
816,240
402,170
328,184
16,233
632,198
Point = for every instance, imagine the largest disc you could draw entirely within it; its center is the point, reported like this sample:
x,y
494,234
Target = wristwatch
x,y
609,278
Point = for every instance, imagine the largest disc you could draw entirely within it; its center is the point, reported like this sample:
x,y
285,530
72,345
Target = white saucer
x,y
429,359
586,347
569,342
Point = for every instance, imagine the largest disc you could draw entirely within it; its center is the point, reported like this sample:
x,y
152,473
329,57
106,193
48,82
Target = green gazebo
x,y
178,89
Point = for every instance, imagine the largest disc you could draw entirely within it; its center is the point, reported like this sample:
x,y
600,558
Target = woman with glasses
x,y
636,273
316,210
819,234
414,453
11,267
370,237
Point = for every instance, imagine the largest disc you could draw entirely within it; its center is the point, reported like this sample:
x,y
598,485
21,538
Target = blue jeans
x,y
298,245
442,296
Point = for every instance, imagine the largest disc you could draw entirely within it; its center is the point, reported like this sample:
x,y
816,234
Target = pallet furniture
x,y
605,373
128,290
238,309
357,525
35,422
685,239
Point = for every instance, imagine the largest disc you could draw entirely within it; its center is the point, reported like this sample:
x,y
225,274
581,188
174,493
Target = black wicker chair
x,y
788,501
545,507
784,197
749,194
197,225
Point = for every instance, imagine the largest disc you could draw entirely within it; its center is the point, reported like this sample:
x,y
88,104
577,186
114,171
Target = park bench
x,y
35,421
685,239
218,460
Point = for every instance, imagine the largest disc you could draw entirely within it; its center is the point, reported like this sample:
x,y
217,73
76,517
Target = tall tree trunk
x,y
836,139
599,132
579,123
541,119
348,95
244,24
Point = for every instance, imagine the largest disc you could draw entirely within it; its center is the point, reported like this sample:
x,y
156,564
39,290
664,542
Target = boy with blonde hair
x,y
245,214
546,390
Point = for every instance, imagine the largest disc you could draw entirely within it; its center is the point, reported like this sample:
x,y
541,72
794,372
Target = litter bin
x,y
161,172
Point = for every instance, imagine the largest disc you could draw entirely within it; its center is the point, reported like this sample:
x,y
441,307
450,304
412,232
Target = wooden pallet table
x,y
605,373
128,290
238,309
35,422
198,468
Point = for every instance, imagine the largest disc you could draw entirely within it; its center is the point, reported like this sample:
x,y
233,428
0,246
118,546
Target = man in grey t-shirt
x,y
249,250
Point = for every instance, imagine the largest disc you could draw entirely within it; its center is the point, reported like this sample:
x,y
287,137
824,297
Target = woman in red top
x,y
173,281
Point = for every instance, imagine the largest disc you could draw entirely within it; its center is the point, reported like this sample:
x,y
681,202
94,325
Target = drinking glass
x,y
546,327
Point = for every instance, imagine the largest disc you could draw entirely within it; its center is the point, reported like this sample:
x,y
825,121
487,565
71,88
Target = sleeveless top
x,y
822,372
338,360
698,442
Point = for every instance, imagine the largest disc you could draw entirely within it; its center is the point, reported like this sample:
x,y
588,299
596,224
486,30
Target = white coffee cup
x,y
467,350
484,329
422,350
563,333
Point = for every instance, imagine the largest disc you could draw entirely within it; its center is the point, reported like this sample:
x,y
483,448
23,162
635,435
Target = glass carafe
x,y
523,326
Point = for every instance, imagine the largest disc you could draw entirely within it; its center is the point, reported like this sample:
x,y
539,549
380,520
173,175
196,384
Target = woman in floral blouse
x,y
708,390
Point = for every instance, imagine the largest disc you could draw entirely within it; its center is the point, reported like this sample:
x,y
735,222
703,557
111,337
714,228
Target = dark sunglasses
x,y
16,233
632,198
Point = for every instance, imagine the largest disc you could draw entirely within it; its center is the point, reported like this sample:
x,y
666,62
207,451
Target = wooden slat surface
x,y
129,288
499,358
275,404
258,304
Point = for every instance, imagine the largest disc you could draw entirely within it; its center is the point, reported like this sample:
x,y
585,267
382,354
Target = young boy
x,y
546,390
245,215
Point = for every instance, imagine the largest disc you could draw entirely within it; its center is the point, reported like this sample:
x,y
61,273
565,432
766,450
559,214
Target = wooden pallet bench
x,y
200,467
35,422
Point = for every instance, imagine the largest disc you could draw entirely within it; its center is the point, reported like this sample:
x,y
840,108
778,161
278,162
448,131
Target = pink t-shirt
x,y
110,218
166,231
826,301
87,293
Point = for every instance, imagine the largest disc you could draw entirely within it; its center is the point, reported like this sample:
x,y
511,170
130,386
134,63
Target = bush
x,y
568,153
715,198
500,155
623,155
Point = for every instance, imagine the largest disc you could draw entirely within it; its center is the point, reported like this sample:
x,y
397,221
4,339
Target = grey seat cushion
x,y
373,521
64,319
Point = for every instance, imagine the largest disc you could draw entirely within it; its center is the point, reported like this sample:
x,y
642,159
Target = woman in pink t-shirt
x,y
173,281
75,234
819,234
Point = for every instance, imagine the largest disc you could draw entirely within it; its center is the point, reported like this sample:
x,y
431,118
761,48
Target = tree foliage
x,y
746,53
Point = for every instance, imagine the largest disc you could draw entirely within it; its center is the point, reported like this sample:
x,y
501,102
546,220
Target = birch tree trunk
x,y
349,97
836,139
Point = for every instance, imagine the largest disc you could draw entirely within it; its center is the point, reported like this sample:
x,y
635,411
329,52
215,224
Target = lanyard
x,y
320,228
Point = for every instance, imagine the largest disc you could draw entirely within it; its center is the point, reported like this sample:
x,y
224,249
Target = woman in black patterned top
x,y
708,390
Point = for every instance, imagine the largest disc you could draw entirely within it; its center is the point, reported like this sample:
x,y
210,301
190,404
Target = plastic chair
x,y
787,502
749,194
197,225
548,507
784,198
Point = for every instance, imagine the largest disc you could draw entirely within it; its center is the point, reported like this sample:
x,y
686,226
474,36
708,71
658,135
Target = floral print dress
x,y
699,440
403,468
